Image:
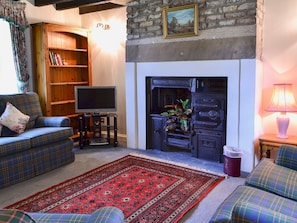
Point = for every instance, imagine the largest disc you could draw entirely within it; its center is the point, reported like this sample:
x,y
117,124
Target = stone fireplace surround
x,y
241,75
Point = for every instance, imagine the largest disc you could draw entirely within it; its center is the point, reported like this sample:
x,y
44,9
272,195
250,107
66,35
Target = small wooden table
x,y
270,142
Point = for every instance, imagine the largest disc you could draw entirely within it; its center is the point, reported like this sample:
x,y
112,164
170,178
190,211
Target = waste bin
x,y
232,161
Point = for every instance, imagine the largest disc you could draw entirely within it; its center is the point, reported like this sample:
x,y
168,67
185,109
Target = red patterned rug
x,y
147,190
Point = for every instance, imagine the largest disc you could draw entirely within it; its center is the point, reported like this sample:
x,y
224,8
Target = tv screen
x,y
95,99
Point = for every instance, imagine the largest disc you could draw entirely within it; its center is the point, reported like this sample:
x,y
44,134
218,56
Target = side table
x,y
270,142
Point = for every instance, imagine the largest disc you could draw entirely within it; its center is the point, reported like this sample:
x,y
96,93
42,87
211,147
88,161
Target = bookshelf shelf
x,y
67,49
62,102
69,83
69,66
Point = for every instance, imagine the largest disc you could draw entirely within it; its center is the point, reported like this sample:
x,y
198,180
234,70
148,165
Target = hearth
x,y
241,100
206,134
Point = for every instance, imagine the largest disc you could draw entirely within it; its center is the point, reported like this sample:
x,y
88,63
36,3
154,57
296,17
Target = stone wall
x,y
227,30
145,16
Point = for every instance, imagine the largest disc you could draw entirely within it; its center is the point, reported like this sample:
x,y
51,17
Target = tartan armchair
x,y
269,193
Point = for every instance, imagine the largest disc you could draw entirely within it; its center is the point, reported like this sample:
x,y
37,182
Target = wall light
x,y
102,26
282,101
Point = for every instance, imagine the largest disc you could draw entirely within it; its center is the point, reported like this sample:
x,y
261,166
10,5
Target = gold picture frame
x,y
180,21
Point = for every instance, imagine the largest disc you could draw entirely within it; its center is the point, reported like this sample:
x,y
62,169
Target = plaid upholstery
x,y
287,157
16,168
269,194
245,212
12,145
102,215
257,197
47,135
106,215
55,121
37,150
53,155
27,103
274,178
14,216
61,218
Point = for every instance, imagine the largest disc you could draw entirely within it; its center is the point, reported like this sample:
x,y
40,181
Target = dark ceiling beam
x,y
48,2
75,4
98,7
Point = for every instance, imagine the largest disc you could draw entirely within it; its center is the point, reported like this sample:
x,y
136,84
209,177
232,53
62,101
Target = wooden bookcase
x,y
62,60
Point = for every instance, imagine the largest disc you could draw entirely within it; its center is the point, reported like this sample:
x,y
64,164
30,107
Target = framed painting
x,y
180,21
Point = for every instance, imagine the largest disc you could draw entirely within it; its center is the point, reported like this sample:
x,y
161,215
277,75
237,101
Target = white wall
x,y
49,14
108,54
279,57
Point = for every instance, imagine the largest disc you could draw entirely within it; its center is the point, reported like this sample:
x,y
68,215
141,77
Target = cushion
x,y
47,135
28,103
287,156
15,216
4,131
14,119
274,178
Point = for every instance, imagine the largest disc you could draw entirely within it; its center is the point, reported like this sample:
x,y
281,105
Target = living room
x,y
251,78
264,69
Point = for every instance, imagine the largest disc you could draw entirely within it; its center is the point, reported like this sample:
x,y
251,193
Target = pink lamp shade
x,y
282,101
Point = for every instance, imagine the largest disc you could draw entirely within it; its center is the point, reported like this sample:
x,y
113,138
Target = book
x,y
55,58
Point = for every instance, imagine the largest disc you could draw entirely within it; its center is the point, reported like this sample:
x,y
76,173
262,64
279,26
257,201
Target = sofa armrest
x,y
102,215
287,156
53,121
107,215
14,215
245,212
59,217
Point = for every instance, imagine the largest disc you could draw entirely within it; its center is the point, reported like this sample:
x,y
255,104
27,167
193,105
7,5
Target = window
x,y
8,78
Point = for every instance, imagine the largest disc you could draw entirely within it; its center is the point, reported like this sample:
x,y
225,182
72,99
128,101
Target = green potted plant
x,y
179,112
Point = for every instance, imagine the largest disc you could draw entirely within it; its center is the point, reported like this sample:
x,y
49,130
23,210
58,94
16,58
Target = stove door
x,y
209,111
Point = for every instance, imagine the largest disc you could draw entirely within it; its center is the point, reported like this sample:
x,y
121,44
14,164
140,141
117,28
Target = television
x,y
95,99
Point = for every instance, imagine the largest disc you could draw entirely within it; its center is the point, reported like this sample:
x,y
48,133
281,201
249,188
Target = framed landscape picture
x,y
180,21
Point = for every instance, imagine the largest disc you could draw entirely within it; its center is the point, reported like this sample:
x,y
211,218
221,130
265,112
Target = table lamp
x,y
283,101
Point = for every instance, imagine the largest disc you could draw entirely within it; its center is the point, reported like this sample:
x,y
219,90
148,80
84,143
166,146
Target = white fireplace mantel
x,y
240,98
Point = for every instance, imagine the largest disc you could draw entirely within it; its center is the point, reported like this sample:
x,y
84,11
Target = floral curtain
x,y
14,13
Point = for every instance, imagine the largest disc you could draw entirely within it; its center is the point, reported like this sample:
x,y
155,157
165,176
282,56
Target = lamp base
x,y
282,124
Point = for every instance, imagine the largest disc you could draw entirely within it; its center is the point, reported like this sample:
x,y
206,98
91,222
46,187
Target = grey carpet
x,y
91,157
